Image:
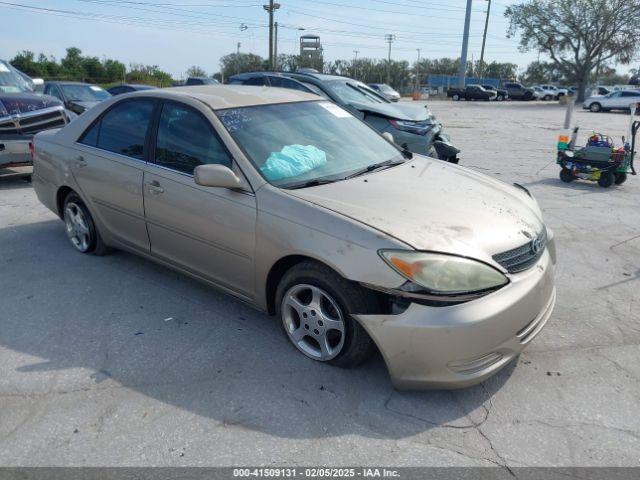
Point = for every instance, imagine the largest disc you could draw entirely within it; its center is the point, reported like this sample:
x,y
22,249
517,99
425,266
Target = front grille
x,y
33,122
523,257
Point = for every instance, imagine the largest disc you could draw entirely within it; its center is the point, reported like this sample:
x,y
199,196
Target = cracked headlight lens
x,y
444,274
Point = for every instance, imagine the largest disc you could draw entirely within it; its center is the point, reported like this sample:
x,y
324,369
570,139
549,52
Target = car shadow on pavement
x,y
81,323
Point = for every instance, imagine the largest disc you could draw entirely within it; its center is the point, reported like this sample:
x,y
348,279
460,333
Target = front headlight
x,y
443,274
419,128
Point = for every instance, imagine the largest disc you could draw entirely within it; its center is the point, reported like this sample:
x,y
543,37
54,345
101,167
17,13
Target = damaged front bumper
x,y
461,345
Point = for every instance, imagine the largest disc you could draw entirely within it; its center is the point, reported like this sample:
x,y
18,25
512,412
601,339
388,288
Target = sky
x,y
176,34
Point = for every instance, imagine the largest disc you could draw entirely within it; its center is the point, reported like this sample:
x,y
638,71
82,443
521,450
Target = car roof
x,y
234,96
320,76
69,83
245,75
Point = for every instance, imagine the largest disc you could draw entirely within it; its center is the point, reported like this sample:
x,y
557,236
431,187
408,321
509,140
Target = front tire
x,y
80,227
499,98
314,306
456,98
606,179
547,98
567,175
595,107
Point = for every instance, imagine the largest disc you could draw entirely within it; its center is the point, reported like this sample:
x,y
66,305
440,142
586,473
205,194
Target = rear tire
x,y
567,175
606,179
547,98
620,178
499,98
314,306
80,228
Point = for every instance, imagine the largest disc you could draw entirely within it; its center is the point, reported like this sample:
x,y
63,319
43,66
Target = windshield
x,y
293,143
387,88
84,93
13,80
352,92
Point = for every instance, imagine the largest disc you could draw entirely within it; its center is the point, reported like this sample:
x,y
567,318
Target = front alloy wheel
x,y
313,321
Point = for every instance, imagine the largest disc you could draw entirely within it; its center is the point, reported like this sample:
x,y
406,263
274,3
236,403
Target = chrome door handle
x,y
81,162
154,187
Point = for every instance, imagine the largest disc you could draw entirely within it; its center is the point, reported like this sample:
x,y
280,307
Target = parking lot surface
x,y
114,360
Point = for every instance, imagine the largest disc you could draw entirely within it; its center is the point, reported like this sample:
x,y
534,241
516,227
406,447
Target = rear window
x,y
122,129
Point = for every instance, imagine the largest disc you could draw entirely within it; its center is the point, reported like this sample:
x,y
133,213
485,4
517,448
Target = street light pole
x,y
238,58
355,64
275,47
465,46
484,40
418,70
271,8
389,38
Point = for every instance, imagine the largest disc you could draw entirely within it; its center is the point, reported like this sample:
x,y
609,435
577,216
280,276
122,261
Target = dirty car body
x,y
297,207
23,113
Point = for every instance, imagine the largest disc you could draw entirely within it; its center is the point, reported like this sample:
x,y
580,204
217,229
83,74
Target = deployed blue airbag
x,y
293,160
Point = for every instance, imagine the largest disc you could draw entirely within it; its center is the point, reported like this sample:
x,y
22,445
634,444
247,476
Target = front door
x,y
208,231
114,148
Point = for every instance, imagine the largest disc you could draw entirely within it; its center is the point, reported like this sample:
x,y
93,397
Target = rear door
x,y
207,231
108,163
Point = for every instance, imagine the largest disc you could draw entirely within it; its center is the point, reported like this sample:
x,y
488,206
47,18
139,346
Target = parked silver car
x,y
292,204
620,100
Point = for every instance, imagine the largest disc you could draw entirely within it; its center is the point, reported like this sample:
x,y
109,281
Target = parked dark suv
x,y
517,91
412,126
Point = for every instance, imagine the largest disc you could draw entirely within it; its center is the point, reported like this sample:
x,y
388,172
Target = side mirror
x,y
213,175
38,84
388,137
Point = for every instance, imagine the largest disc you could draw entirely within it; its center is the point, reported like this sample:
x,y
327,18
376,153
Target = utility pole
x,y
275,47
418,71
355,64
484,40
271,8
238,58
389,38
465,46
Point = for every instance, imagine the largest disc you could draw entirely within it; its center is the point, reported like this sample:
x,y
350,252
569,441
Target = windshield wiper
x,y
375,166
310,183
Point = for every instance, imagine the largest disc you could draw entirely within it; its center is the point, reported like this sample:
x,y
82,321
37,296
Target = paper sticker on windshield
x,y
335,110
95,89
3,68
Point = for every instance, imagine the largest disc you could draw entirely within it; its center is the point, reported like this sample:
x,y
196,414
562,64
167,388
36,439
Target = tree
x,y
196,71
580,36
240,63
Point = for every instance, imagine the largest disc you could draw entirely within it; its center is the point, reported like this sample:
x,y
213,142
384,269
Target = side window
x,y
116,90
256,81
630,94
186,139
287,83
123,129
54,91
90,136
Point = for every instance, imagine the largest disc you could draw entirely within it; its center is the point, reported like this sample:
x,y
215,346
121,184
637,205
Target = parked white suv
x,y
551,92
621,100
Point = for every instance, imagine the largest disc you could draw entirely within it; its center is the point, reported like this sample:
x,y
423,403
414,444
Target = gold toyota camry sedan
x,y
292,204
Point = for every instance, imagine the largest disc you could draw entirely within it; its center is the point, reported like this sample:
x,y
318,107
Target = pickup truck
x,y
23,113
471,92
517,91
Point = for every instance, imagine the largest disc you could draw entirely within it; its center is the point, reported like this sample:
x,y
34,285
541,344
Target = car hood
x,y
399,111
16,103
433,205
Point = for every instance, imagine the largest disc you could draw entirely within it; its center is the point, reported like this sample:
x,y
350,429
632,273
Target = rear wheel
x,y
499,98
620,178
606,179
547,97
80,227
314,305
567,175
595,107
